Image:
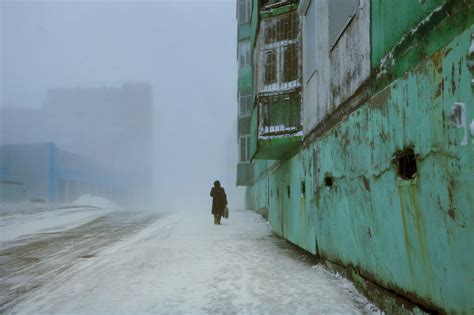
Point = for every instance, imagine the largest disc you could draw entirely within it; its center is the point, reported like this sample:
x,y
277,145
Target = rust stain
x,y
366,183
406,237
380,99
383,135
446,53
420,229
453,80
440,89
437,61
452,213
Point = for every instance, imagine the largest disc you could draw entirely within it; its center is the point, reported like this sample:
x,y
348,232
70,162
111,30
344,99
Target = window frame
x,y
249,102
248,11
278,48
246,154
248,57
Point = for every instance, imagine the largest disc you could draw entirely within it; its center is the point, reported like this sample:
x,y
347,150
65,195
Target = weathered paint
x,y
391,20
341,70
411,236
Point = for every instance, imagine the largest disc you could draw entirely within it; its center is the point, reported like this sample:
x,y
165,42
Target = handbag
x,y
226,213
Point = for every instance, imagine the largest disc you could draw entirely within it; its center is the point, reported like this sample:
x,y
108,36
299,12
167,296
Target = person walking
x,y
219,201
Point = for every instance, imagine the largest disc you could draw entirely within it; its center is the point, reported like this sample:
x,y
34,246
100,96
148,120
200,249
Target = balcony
x,y
276,126
244,174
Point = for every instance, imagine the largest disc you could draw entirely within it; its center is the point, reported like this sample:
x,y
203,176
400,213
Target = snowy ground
x,y
180,263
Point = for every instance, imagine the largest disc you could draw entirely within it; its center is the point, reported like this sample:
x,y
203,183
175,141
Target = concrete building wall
x,y
340,70
29,164
110,125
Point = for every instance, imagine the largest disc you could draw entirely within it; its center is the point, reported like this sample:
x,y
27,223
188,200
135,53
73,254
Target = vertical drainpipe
x,y
52,172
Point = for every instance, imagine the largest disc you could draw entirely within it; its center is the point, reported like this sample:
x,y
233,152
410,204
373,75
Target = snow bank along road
x,y
179,263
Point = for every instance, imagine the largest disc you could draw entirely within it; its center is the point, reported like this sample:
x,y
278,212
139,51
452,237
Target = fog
x,y
180,54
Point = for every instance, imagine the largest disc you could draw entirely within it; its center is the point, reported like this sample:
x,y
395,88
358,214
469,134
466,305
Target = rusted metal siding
x,y
383,185
411,236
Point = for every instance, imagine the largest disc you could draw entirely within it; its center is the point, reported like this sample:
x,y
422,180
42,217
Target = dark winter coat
x,y
219,200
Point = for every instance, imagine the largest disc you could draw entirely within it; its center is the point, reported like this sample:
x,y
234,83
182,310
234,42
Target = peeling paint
x,y
458,119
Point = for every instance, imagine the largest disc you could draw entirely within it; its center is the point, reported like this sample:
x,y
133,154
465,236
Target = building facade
x,y
43,172
110,125
360,145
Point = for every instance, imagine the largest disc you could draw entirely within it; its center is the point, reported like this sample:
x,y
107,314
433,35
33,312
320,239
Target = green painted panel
x,y
392,19
244,125
243,31
275,148
254,131
244,174
245,79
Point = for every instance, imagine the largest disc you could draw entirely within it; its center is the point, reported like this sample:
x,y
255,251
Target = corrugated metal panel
x,y
341,13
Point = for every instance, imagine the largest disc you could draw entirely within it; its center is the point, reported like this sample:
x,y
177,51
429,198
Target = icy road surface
x,y
179,263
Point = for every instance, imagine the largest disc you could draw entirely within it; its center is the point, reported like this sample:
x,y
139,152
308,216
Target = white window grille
x,y
244,11
279,56
341,13
269,4
245,102
244,55
244,149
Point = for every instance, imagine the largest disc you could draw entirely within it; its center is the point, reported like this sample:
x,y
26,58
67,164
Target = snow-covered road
x,y
182,263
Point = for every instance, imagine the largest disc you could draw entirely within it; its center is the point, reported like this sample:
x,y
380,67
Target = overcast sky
x,y
185,49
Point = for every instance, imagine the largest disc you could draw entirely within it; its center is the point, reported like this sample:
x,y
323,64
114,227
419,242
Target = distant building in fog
x,y
41,171
111,125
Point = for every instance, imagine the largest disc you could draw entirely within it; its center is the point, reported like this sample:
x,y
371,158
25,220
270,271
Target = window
x,y
270,67
245,102
309,41
279,66
244,11
244,55
290,60
244,149
341,13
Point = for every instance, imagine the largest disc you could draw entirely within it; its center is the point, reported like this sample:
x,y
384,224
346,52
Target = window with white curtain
x,y
245,102
244,55
244,10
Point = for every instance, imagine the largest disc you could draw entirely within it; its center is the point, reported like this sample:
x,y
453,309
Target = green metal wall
x,y
411,236
391,20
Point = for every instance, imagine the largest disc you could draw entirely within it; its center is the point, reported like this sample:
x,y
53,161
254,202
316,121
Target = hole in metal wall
x,y
303,189
328,181
289,191
406,163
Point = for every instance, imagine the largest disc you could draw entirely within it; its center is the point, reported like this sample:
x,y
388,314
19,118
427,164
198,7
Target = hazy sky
x,y
185,49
